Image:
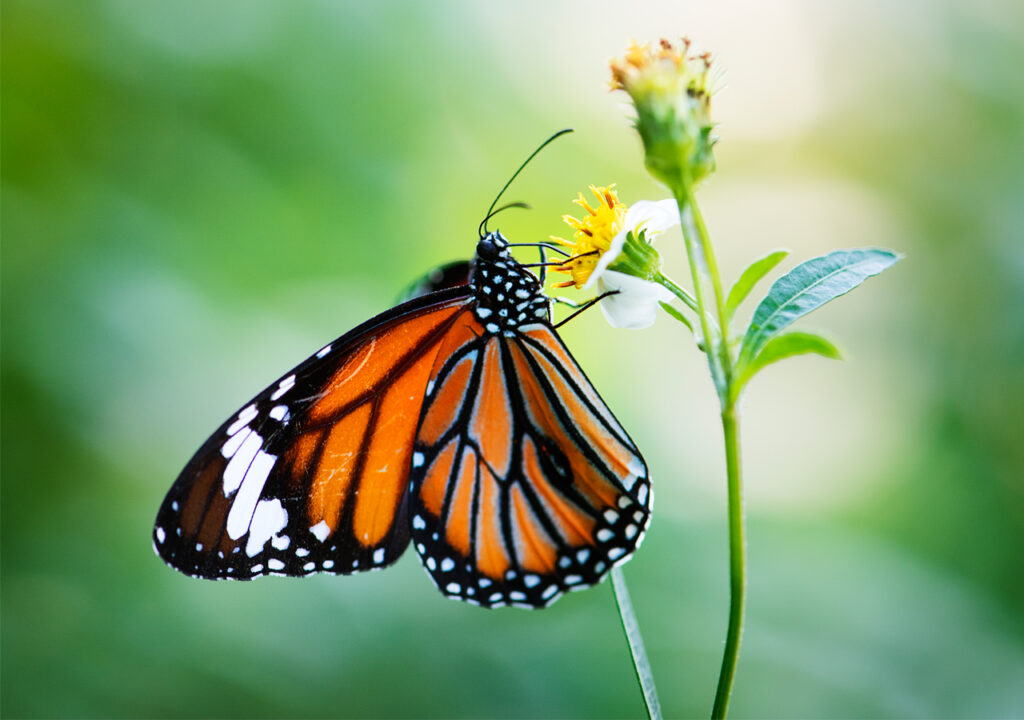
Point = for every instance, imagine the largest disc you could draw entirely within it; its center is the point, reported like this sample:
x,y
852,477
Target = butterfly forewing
x,y
312,474
524,485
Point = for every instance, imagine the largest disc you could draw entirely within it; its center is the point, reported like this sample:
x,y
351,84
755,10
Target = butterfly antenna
x,y
508,206
483,225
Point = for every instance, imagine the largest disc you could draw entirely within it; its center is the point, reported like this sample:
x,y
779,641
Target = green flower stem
x,y
704,269
636,644
737,562
693,226
679,292
698,270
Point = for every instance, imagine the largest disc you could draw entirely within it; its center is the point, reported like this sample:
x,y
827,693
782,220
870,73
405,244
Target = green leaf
x,y
784,346
807,287
677,315
750,277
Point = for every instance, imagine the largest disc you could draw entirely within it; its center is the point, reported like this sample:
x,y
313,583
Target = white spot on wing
x,y
321,530
275,564
280,412
284,386
281,542
417,460
324,351
641,495
378,555
160,535
447,565
328,564
249,493
234,442
418,523
453,588
238,467
531,581
247,415
268,519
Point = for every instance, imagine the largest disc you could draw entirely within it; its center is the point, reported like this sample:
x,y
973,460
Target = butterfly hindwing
x,y
524,484
312,474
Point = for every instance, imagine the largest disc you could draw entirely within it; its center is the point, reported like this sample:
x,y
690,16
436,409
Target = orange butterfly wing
x,y
524,485
312,475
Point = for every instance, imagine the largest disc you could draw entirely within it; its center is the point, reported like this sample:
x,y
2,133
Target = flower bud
x,y
673,105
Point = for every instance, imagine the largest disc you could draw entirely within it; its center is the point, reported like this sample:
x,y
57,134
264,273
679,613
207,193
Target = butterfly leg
x,y
580,307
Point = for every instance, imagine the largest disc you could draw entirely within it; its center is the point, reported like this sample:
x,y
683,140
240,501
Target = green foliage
x,y
678,316
807,287
781,347
751,277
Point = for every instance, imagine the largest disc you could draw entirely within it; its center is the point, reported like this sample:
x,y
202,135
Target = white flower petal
x,y
655,216
635,305
618,242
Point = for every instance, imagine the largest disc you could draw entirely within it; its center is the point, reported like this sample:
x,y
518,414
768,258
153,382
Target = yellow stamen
x,y
593,234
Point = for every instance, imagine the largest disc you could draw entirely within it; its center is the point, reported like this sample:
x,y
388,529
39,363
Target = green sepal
x,y
637,257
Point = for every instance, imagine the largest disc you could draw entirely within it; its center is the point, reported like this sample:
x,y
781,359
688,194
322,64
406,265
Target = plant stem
x,y
737,562
704,268
693,225
698,270
679,292
636,644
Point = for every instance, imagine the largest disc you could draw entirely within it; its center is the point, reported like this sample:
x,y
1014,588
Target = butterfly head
x,y
492,247
508,294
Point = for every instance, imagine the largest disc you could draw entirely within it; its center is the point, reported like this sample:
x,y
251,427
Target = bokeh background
x,y
197,195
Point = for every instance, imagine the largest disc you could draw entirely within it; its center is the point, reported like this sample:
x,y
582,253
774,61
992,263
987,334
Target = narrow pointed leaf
x,y
807,287
677,315
784,346
749,278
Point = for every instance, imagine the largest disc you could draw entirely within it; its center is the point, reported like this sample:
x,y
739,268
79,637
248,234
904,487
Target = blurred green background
x,y
197,195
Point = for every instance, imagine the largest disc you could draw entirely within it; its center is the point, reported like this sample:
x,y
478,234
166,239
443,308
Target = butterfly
x,y
457,422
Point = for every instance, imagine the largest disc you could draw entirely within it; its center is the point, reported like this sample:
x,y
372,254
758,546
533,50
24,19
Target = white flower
x,y
635,302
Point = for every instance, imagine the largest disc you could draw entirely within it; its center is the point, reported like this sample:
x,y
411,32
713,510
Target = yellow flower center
x,y
662,70
593,234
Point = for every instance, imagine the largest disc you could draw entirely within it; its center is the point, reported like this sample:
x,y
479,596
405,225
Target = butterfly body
x,y
458,420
